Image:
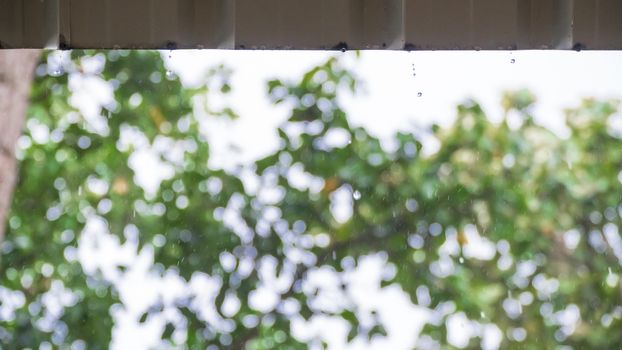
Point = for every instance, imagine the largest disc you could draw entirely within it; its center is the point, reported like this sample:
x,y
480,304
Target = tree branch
x,y
16,71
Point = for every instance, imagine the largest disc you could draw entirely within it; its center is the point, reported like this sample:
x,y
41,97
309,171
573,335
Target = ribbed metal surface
x,y
312,24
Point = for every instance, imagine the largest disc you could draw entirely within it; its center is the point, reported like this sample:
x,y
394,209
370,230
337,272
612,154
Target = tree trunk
x,y
16,72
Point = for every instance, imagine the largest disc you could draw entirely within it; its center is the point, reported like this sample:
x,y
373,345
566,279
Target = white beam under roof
x,y
312,24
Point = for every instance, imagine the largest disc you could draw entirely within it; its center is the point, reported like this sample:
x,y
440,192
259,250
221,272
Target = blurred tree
x,y
506,226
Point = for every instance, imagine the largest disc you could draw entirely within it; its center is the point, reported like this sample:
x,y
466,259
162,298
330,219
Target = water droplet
x,y
512,60
170,74
461,260
419,94
356,195
482,314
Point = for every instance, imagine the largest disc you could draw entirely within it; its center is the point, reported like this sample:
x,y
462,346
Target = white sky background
x,y
559,79
390,102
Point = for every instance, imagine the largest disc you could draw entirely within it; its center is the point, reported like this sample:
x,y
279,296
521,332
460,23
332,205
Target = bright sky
x,y
393,80
402,89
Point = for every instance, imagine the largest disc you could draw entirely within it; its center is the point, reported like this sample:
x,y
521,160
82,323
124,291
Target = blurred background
x,y
309,200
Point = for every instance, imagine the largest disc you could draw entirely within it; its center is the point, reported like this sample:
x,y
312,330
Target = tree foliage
x,y
506,224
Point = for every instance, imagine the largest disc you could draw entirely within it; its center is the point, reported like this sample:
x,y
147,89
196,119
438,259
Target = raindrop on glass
x,y
461,260
419,94
512,60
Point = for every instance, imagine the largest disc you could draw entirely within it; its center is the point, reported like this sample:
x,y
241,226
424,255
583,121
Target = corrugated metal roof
x,y
312,24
